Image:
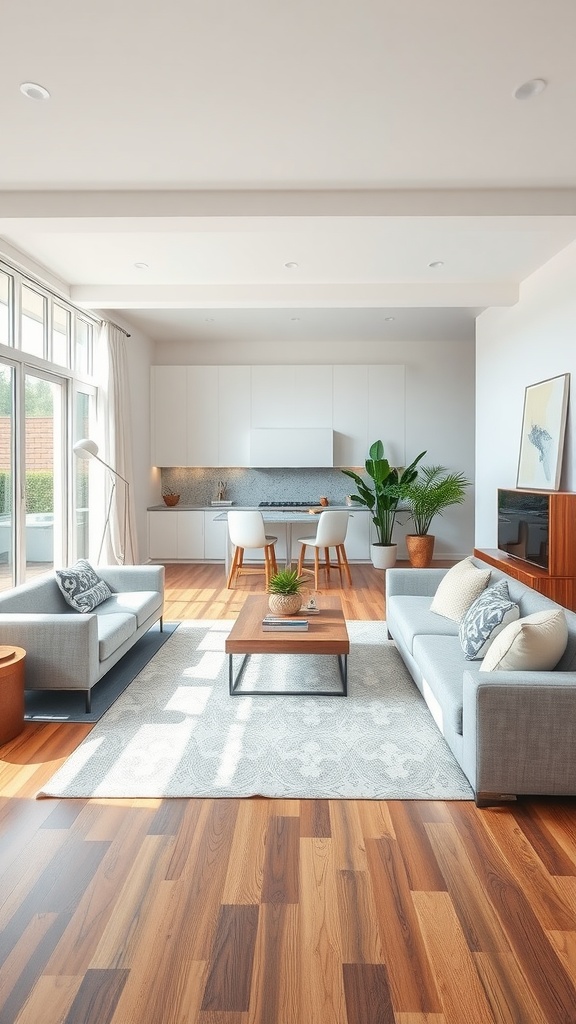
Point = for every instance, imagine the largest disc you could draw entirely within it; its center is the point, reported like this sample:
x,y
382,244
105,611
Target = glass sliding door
x,y
7,519
44,445
84,402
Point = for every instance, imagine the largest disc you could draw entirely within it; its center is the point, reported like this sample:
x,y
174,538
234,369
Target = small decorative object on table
x,y
284,589
170,498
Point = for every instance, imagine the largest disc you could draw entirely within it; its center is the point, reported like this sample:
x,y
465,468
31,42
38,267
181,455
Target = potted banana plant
x,y
381,495
434,489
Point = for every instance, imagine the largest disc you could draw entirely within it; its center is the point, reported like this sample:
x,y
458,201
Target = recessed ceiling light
x,y
529,89
209,320
436,263
290,266
142,266
388,319
33,91
294,319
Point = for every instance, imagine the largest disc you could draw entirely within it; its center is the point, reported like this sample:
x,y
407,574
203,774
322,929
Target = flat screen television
x,y
524,525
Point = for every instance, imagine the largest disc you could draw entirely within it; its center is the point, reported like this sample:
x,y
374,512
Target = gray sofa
x,y
67,650
512,733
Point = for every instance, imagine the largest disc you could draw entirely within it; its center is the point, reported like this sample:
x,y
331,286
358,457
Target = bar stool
x,y
331,533
246,530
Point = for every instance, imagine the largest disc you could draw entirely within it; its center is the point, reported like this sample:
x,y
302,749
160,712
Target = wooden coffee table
x,y
326,634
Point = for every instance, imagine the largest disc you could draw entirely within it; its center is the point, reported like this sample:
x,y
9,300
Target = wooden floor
x,y
274,911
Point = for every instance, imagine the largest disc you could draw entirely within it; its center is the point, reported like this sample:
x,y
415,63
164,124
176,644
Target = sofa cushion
x,y
82,587
141,603
442,663
485,619
408,616
461,585
534,644
113,631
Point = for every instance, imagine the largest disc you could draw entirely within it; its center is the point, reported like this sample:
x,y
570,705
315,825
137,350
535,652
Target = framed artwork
x,y
542,439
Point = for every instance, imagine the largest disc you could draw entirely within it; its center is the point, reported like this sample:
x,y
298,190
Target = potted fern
x,y
381,497
285,588
434,489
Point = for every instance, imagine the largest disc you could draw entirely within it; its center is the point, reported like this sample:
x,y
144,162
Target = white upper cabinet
x,y
168,405
291,396
234,387
202,416
369,405
259,415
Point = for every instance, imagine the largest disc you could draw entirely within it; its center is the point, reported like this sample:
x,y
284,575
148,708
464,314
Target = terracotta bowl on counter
x,y
171,499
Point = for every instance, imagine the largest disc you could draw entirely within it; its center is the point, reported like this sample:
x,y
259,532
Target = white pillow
x,y
485,619
535,643
461,585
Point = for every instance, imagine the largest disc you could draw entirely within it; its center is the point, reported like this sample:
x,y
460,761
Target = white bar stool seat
x,y
246,530
331,533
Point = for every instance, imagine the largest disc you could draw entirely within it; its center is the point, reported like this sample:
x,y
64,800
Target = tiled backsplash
x,y
250,486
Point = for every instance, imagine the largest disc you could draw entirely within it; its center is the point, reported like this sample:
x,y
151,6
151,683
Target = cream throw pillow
x,y
535,643
461,585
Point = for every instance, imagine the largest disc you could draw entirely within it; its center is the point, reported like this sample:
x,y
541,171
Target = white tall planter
x,y
383,555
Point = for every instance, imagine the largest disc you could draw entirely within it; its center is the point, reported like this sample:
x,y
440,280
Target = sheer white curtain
x,y
115,419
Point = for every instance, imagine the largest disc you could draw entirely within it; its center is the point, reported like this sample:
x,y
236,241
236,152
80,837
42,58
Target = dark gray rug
x,y
70,705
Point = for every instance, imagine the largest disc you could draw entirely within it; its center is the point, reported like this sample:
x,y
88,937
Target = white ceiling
x,y
361,139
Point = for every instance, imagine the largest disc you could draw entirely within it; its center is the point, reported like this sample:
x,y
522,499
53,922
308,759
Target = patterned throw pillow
x,y
461,585
82,587
533,644
485,618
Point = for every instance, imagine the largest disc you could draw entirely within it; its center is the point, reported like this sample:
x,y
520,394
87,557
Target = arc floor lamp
x,y
88,449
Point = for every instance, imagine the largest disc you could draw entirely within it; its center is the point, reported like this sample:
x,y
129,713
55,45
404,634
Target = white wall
x,y
515,347
439,403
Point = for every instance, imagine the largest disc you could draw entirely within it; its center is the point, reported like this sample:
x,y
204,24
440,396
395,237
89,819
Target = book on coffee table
x,y
272,622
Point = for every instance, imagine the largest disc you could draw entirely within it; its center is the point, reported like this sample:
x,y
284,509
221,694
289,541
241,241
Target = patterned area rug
x,y
176,732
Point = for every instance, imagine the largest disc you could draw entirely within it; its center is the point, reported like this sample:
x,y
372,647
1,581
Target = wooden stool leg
x,y
233,569
301,558
344,557
316,567
267,564
327,561
274,562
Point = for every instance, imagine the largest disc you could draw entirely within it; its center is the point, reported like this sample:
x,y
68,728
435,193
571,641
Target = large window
x,y
47,401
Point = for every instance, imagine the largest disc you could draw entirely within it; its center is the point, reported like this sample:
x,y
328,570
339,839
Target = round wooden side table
x,y
11,692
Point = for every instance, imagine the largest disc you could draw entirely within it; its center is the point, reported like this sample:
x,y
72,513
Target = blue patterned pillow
x,y
82,587
485,618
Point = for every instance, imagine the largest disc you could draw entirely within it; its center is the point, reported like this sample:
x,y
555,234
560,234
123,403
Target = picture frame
x,y
542,438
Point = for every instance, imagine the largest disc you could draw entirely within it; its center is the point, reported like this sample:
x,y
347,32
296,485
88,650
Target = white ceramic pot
x,y
383,555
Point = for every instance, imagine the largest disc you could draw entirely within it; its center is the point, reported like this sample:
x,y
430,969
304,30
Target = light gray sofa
x,y
68,650
512,733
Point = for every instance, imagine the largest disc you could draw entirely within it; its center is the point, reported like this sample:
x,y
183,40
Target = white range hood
x,y
279,447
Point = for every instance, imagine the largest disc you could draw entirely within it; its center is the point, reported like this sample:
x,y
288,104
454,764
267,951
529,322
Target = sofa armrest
x,y
130,578
61,649
413,582
519,731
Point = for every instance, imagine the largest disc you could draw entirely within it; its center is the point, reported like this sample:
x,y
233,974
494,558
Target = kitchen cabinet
x,y
369,404
168,410
284,447
202,416
176,535
357,541
291,396
215,536
234,384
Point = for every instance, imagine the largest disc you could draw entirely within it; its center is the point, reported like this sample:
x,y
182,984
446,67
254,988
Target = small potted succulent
x,y
170,498
285,589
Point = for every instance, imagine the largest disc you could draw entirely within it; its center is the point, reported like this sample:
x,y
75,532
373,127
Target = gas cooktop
x,y
285,504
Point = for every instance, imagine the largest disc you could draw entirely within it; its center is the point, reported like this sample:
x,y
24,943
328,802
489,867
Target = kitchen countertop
x,y
181,507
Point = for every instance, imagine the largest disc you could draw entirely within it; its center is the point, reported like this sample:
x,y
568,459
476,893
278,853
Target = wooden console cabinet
x,y
558,582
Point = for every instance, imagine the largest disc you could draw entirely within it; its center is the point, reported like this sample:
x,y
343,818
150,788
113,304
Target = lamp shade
x,y
85,448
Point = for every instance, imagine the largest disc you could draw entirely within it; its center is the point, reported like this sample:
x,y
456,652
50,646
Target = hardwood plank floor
x,y
276,911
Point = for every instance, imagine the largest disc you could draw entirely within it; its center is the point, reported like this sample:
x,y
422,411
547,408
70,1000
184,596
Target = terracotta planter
x,y
420,549
383,555
171,499
284,604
